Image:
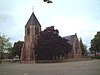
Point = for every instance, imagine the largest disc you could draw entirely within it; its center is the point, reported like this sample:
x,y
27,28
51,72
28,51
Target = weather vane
x,y
32,8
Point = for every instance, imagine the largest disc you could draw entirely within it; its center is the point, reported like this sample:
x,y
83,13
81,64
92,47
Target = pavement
x,y
89,67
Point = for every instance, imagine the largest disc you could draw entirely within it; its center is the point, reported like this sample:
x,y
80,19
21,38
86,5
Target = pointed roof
x,y
71,38
33,20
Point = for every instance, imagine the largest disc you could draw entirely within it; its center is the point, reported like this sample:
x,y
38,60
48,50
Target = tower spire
x,y
33,20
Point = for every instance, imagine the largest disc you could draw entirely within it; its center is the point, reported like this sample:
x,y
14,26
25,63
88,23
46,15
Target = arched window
x,y
28,30
36,30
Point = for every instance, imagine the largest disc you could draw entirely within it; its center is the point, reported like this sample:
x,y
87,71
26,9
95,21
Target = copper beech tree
x,y
50,45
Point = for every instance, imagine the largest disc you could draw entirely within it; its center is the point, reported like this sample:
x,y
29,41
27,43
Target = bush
x,y
97,57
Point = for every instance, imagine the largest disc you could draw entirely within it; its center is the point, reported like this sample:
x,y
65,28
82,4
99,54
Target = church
x,y
32,30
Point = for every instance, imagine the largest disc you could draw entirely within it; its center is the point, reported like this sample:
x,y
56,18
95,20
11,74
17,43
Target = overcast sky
x,y
68,16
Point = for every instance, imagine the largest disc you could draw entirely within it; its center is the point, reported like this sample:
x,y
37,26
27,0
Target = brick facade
x,y
75,49
32,29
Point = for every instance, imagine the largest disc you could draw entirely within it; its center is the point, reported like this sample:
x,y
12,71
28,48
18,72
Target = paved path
x,y
91,67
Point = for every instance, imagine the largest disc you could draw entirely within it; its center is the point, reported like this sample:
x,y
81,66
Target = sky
x,y
68,16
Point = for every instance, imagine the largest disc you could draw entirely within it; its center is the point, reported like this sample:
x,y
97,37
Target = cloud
x,y
69,25
68,16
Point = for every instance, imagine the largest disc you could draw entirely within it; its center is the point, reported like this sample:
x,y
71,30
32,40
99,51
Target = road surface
x,y
90,67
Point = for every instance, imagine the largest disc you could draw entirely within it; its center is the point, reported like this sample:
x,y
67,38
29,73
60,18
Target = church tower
x,y
32,30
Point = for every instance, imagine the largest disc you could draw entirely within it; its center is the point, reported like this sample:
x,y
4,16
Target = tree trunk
x,y
0,58
95,54
19,57
0,61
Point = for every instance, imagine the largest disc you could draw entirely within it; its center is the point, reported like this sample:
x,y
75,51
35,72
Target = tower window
x,y
36,30
28,30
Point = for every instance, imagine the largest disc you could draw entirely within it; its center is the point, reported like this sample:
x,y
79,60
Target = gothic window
x,y
36,30
28,30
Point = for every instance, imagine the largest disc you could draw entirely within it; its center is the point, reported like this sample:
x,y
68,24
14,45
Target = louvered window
x,y
36,30
28,30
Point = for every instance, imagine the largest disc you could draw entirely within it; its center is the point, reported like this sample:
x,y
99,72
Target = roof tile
x,y
33,20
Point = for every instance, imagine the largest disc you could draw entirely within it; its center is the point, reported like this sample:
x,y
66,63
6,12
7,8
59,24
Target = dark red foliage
x,y
50,43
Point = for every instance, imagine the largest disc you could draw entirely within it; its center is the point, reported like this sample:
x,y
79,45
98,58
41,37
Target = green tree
x,y
4,45
83,48
50,45
95,44
10,53
17,49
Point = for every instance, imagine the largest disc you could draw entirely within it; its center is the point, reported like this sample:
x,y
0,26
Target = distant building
x,y
32,29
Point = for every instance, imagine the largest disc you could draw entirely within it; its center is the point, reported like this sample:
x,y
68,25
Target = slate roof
x,y
33,20
70,39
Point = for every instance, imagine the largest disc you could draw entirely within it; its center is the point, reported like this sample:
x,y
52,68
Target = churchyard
x,y
88,67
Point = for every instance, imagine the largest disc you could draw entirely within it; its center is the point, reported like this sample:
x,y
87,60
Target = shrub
x,y
97,57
